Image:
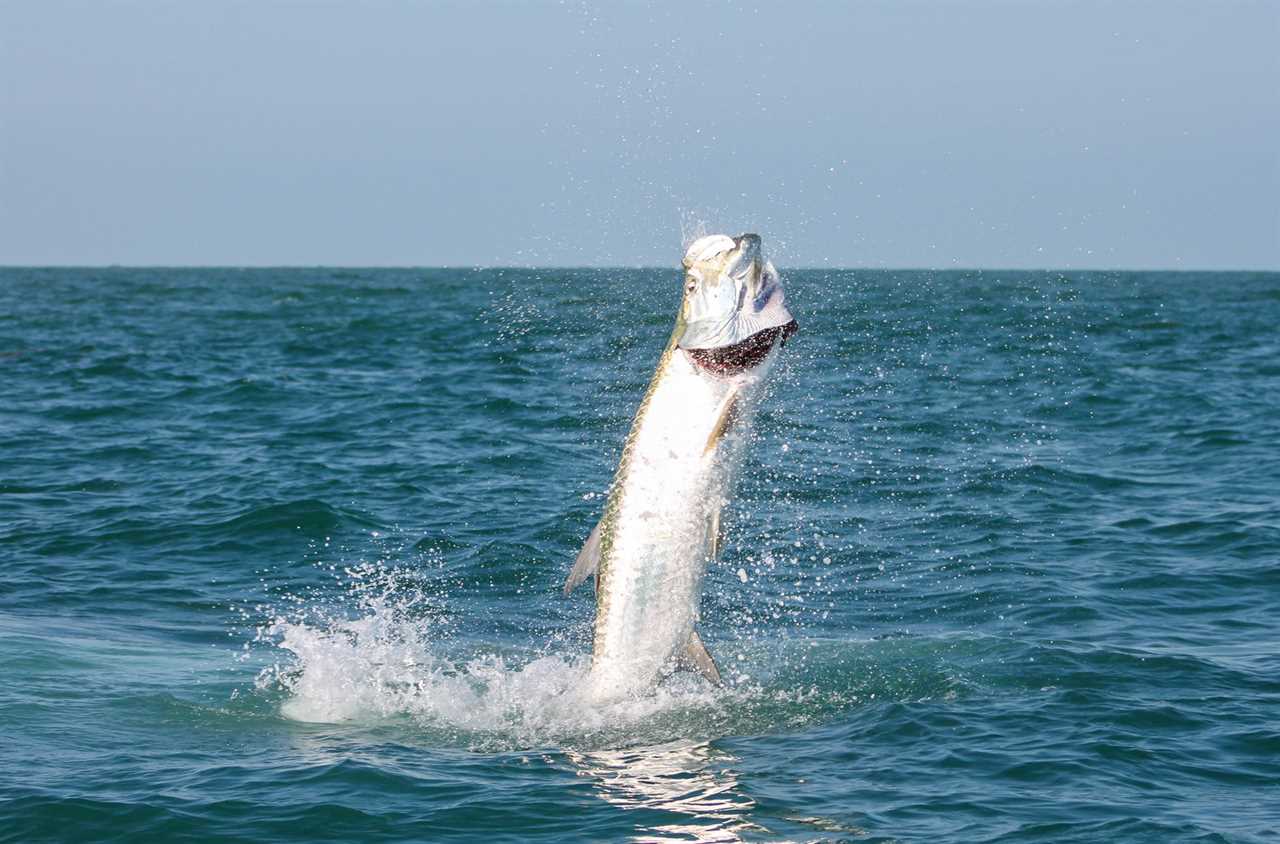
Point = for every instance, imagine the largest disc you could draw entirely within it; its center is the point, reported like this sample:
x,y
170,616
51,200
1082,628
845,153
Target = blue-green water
x,y
282,550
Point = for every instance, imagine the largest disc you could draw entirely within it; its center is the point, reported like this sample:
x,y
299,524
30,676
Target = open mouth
x,y
742,356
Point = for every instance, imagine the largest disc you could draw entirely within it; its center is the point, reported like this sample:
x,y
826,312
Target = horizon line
x,y
652,267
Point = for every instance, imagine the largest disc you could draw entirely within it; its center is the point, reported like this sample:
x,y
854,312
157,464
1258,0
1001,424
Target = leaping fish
x,y
661,522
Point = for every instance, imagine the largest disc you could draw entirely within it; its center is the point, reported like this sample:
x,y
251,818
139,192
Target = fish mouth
x,y
744,356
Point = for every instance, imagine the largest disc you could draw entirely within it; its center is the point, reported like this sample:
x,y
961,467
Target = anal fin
x,y
587,561
695,658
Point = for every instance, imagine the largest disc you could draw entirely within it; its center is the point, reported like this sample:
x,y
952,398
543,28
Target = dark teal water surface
x,y
282,551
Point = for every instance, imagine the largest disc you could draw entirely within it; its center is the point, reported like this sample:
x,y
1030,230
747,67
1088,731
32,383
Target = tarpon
x,y
661,522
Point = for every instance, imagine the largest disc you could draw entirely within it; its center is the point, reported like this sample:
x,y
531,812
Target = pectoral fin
x,y
587,561
696,658
726,414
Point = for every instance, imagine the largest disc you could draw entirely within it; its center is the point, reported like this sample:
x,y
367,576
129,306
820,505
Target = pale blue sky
x,y
916,134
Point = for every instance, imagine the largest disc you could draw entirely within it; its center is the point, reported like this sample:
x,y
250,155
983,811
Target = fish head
x,y
731,293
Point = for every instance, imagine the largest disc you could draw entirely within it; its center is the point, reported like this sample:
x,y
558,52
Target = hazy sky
x,y
921,134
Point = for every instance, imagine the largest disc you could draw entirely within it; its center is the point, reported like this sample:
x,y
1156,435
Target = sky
x,y
862,134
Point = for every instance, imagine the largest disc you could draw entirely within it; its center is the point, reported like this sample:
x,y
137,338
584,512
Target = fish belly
x,y
660,544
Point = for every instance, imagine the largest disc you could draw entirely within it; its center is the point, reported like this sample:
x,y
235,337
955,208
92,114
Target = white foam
x,y
382,653
379,666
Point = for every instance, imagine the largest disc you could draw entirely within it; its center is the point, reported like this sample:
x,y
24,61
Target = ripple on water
x,y
1008,542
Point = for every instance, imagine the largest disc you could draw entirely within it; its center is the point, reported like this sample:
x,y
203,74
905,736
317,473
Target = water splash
x,y
377,657
388,659
389,664
377,668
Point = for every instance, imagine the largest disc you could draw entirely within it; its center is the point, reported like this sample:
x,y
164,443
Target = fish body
x,y
661,525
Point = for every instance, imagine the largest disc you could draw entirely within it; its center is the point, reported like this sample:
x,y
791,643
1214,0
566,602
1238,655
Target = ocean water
x,y
281,553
